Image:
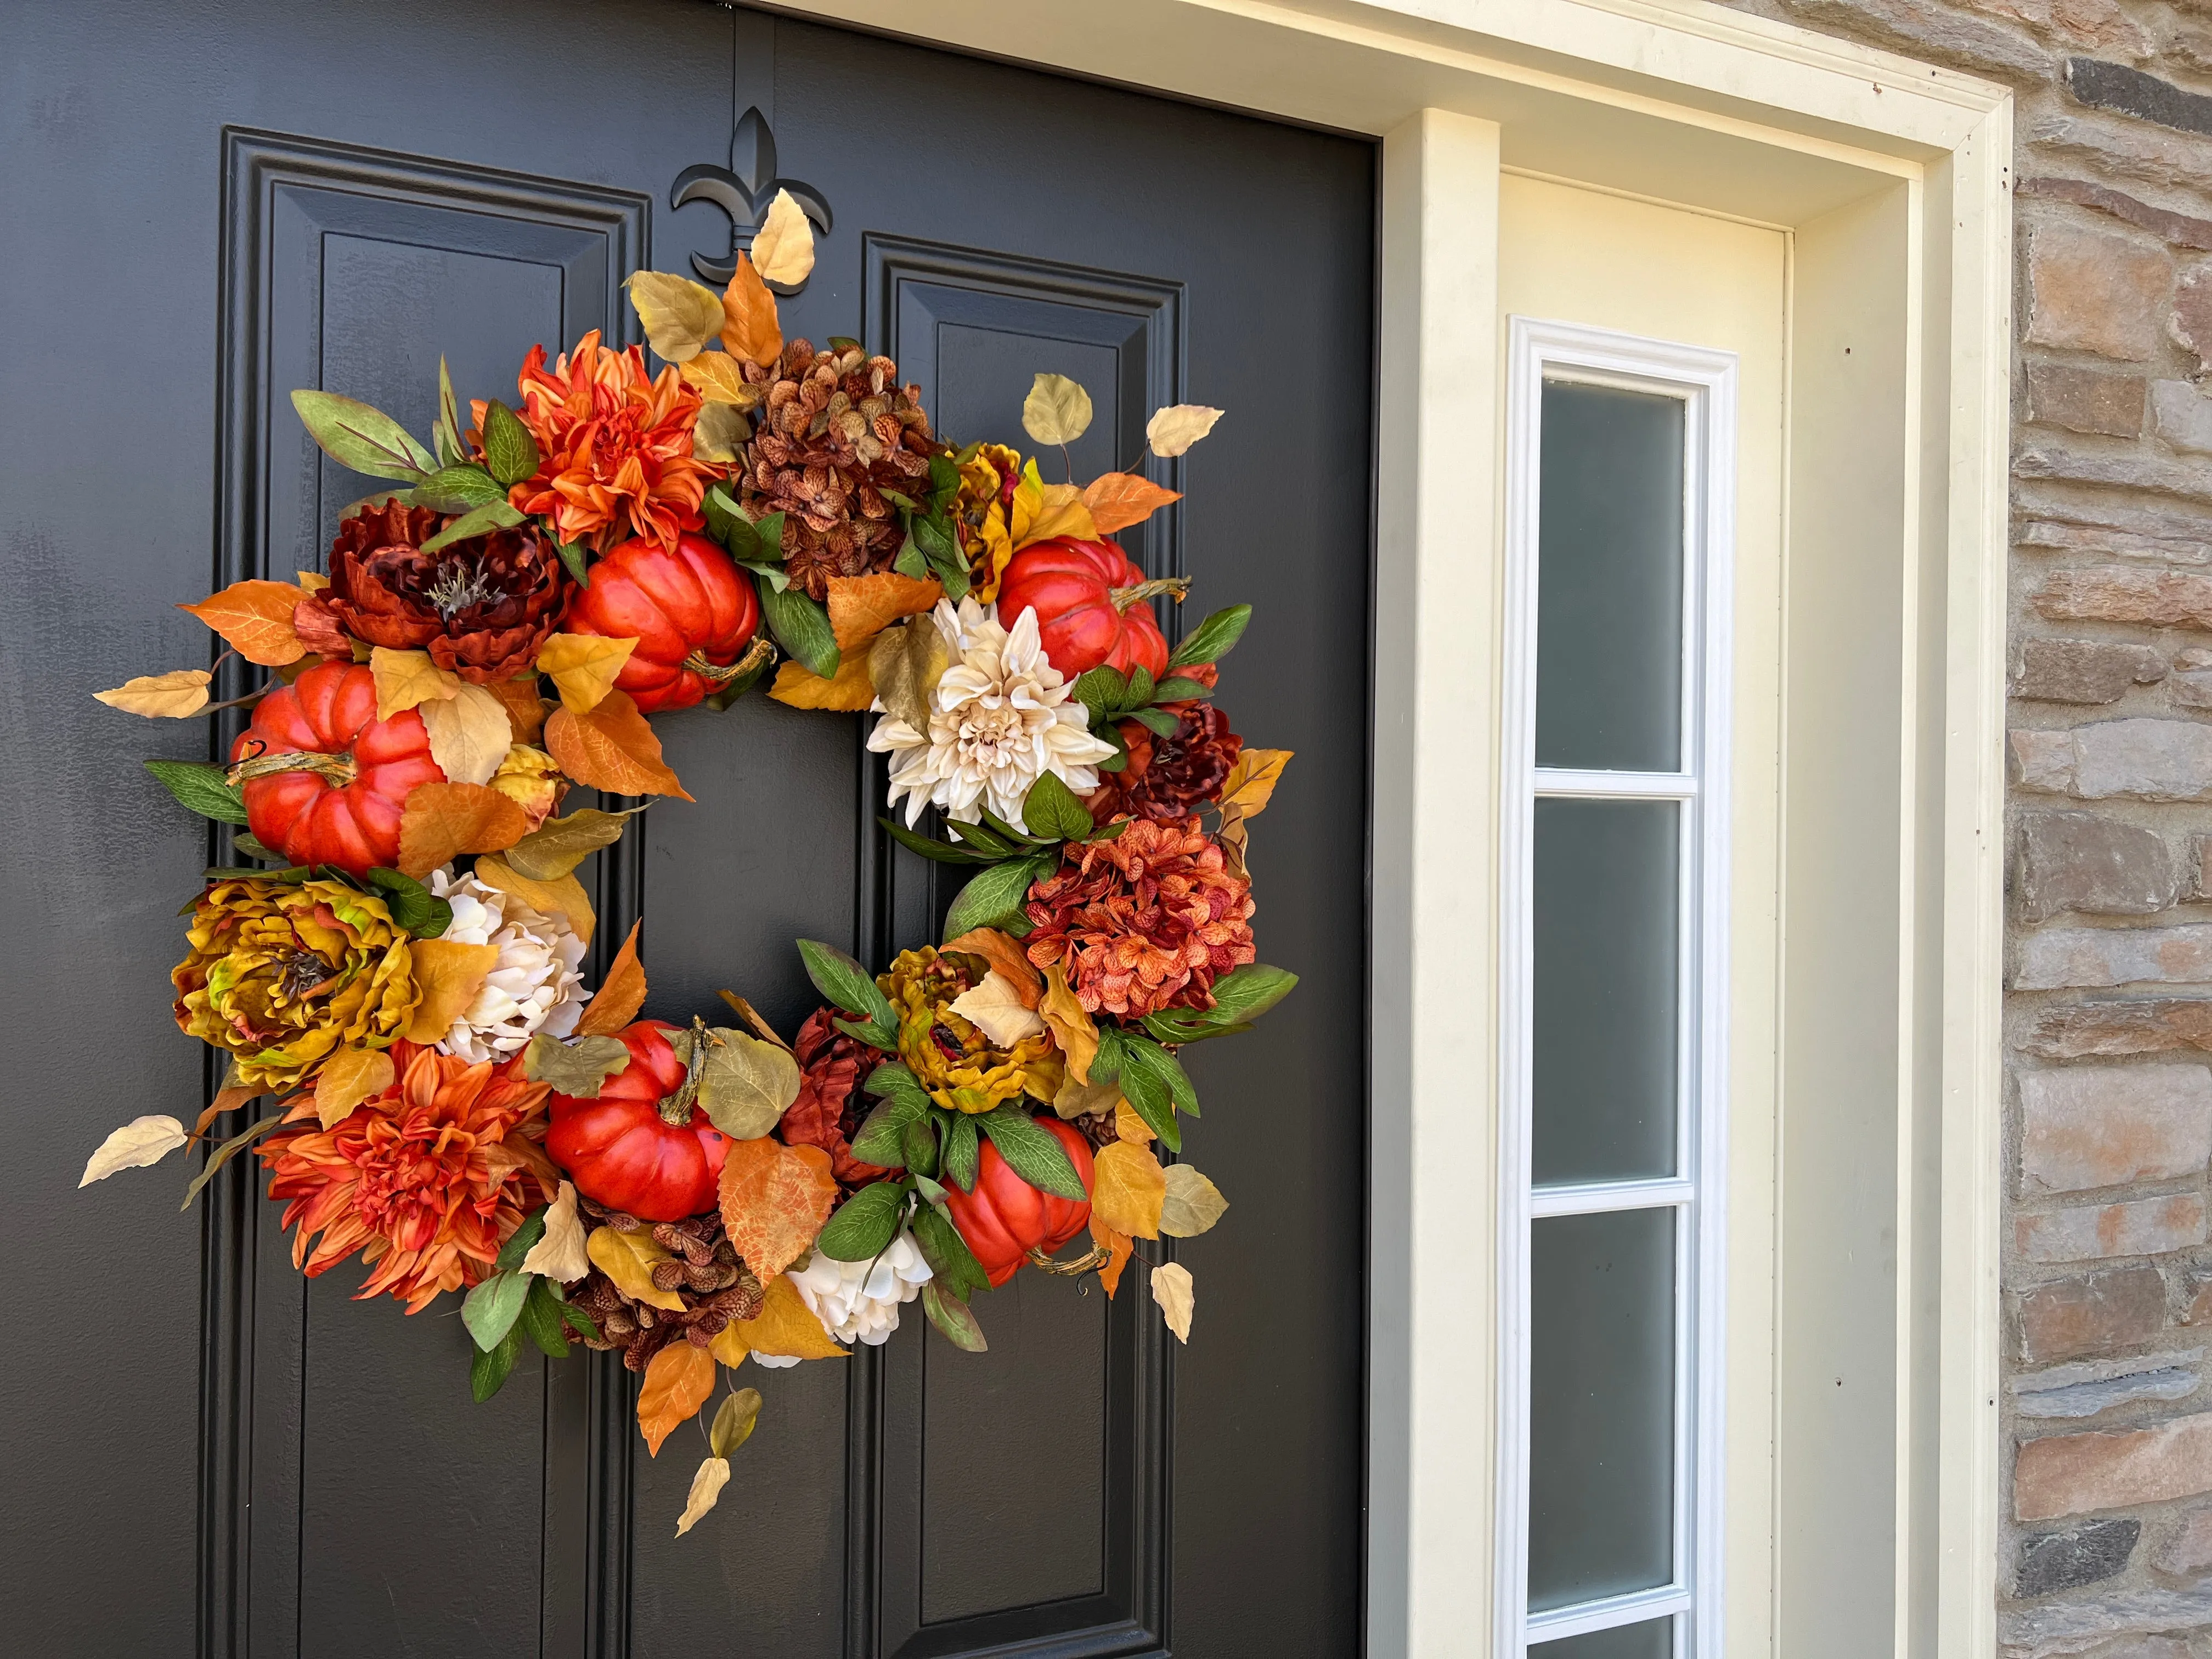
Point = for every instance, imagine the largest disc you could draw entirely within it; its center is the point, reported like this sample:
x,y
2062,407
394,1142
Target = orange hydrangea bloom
x,y
426,1180
614,446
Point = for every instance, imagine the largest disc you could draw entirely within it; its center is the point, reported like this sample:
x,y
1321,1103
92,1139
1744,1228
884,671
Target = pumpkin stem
x,y
715,674
676,1106
1093,1258
1174,586
338,770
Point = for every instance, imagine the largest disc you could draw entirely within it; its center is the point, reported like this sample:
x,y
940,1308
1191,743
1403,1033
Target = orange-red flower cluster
x,y
1144,922
426,1180
614,446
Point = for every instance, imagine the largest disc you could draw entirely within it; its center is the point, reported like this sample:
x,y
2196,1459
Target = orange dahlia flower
x,y
426,1180
614,446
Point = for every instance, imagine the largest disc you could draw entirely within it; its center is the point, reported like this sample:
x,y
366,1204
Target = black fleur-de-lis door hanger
x,y
744,190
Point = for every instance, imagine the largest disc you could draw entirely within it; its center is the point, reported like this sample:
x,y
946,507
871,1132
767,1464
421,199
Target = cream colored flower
x,y
1001,718
858,1301
536,985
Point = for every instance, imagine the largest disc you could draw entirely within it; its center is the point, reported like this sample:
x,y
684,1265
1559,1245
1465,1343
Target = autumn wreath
x,y
397,957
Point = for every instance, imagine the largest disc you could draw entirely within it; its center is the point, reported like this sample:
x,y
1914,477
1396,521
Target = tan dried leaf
x,y
750,328
583,666
677,1381
629,1259
559,845
350,1077
862,607
1073,1028
744,1083
610,748
407,678
774,1199
559,1254
680,316
1003,953
1075,1099
905,663
441,821
996,1009
175,696
621,993
469,734
751,1016
141,1141
1127,1189
720,433
1176,428
578,1068
563,896
1193,1203
706,1488
1057,410
255,620
1118,499
1177,1296
449,975
783,247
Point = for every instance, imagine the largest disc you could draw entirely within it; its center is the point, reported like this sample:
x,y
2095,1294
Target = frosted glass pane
x,y
1609,580
1601,1406
1606,926
1653,1639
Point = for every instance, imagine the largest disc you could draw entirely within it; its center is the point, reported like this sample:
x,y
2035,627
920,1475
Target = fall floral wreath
x,y
400,965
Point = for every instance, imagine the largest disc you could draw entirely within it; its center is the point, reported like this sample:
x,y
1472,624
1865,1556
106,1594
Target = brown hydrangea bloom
x,y
1144,922
480,607
834,430
1168,778
830,1107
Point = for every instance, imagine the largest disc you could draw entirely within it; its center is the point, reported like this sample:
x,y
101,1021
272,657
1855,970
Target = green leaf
x,y
802,628
457,490
579,1068
949,1257
875,1033
865,1225
914,842
934,536
1051,809
952,1316
774,576
734,1423
1249,992
844,982
769,529
446,430
1141,1054
493,1307
541,1319
910,562
892,1080
364,439
412,905
254,849
510,453
201,786
578,1321
487,1372
224,1153
882,1138
1106,1064
1101,690
1140,686
1155,721
727,524
962,1151
572,555
943,478
1170,1028
1179,689
492,515
1212,639
999,826
918,1147
989,842
992,895
559,845
519,1243
1033,1153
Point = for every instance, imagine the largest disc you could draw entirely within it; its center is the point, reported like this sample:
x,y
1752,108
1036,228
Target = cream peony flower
x,y
536,985
1001,718
858,1301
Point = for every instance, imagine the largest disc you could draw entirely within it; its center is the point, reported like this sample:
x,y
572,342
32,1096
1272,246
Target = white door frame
x,y
1893,179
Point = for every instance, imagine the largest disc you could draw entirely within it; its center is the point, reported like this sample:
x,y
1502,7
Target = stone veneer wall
x,y
2108,1023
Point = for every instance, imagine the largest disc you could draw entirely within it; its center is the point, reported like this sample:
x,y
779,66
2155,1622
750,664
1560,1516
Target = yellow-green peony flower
x,y
955,1062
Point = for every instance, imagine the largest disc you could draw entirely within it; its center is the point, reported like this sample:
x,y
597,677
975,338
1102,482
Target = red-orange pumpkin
x,y
338,777
1091,605
692,612
1004,1217
639,1145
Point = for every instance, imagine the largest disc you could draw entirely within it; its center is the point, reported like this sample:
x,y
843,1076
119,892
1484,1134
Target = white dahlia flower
x,y
1001,718
854,1311
536,985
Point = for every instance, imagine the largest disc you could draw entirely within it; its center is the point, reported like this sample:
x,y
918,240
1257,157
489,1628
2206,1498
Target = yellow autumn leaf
x,y
715,376
1251,781
312,581
350,1077
852,691
1129,1125
1057,410
407,678
175,696
719,433
1075,1098
629,1260
1073,1028
1128,1188
612,747
583,666
1176,428
996,1009
562,897
449,975
680,316
783,247
1061,511
706,1488
559,1254
786,1328
470,734
1177,1297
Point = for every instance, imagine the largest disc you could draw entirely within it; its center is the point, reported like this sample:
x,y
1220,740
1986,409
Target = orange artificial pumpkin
x,y
325,781
690,610
1005,1218
1092,606
642,1145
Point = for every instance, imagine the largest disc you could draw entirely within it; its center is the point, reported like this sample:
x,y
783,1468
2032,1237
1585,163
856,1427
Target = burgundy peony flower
x,y
1168,778
830,1107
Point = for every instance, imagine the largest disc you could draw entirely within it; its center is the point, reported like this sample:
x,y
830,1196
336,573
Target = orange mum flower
x,y
1144,922
614,447
426,1180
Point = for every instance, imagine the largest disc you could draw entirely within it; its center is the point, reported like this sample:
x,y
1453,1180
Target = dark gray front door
x,y
206,206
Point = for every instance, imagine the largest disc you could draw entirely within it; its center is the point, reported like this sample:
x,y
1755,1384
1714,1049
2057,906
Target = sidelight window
x,y
1620,455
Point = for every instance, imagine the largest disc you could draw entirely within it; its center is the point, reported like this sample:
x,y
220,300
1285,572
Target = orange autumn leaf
x,y
1118,499
611,747
621,993
229,1100
255,620
862,607
1005,955
1118,1247
443,820
677,1381
774,1200
851,692
750,328
1128,1188
525,707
